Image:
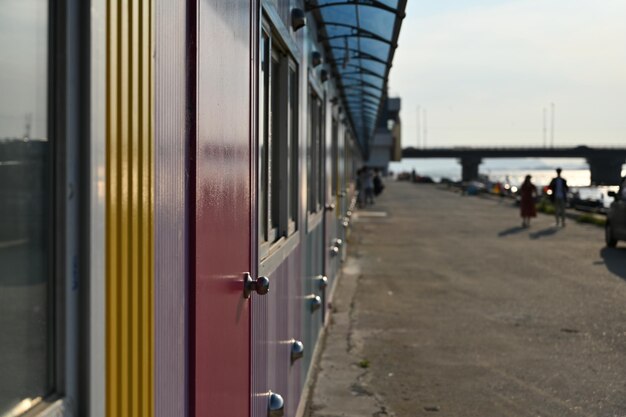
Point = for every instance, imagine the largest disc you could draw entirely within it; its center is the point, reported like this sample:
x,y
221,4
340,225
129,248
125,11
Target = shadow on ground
x,y
548,231
511,231
615,260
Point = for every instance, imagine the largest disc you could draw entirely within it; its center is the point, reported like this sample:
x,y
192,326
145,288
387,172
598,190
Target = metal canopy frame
x,y
357,32
358,54
313,5
368,43
360,71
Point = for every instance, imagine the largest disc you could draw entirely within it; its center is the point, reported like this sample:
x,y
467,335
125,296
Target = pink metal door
x,y
220,336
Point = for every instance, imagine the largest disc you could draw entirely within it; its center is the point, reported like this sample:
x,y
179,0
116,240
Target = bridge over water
x,y
605,164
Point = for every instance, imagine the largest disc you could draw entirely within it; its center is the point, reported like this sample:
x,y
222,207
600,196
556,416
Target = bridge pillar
x,y
605,170
469,165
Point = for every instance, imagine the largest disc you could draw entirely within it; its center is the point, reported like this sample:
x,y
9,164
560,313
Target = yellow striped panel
x,y
130,185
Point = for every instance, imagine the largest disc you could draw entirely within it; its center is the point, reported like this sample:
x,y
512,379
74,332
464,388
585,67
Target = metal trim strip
x,y
129,209
277,24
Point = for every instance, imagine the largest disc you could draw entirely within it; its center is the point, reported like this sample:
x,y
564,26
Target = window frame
x,y
334,156
68,194
315,154
293,150
278,149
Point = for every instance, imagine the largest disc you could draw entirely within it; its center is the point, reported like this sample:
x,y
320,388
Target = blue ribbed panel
x,y
276,320
313,266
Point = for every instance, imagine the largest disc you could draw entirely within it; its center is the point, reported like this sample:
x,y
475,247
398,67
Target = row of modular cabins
x,y
177,179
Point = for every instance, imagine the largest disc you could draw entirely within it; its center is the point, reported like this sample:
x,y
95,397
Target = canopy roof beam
x,y
310,5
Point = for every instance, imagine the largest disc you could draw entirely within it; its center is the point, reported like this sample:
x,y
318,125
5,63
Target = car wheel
x,y
610,240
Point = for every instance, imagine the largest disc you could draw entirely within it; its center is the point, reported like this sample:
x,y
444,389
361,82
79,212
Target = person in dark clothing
x,y
558,187
360,187
378,183
528,192
368,184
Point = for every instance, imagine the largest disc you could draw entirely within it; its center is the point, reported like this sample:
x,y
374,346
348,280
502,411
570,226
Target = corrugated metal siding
x,y
170,312
222,195
129,203
311,322
276,320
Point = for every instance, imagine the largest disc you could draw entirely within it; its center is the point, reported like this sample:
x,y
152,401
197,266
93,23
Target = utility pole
x,y
552,106
425,126
419,128
28,122
545,127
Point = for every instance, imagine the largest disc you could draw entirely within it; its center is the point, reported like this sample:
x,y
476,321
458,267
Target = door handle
x,y
315,302
323,281
297,350
261,285
276,405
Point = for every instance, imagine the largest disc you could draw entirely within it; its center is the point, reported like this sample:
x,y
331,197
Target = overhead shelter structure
x,y
361,37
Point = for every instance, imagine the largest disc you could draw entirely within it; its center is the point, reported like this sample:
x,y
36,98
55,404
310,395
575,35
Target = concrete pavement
x,y
446,307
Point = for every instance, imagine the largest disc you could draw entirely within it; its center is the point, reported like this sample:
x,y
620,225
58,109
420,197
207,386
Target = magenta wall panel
x,y
170,219
276,319
223,195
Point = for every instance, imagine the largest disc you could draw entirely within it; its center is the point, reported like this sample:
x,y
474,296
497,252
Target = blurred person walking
x,y
558,187
378,183
368,184
360,186
528,192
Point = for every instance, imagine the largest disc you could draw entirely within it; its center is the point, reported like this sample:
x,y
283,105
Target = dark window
x,y
293,143
277,117
278,142
314,161
264,138
26,208
334,177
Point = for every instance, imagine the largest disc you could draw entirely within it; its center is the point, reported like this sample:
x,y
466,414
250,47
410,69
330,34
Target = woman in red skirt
x,y
528,192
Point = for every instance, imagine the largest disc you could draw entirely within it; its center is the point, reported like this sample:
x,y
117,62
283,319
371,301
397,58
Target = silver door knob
x,y
334,250
297,350
261,285
315,302
323,281
276,405
339,242
330,207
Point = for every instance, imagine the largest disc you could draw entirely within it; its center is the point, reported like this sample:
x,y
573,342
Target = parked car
x,y
615,229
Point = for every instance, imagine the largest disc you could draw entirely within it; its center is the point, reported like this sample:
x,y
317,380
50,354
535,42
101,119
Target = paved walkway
x,y
448,308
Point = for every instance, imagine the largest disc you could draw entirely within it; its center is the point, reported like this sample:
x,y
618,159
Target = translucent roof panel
x,y
362,36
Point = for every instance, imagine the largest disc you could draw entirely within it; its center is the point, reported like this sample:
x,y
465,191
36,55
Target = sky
x,y
483,71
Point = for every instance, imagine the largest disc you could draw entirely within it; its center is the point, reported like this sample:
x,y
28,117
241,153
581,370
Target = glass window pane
x,y
321,144
264,80
334,181
25,204
313,154
275,144
293,144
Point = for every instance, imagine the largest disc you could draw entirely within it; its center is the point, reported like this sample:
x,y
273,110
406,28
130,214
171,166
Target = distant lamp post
x,y
552,107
